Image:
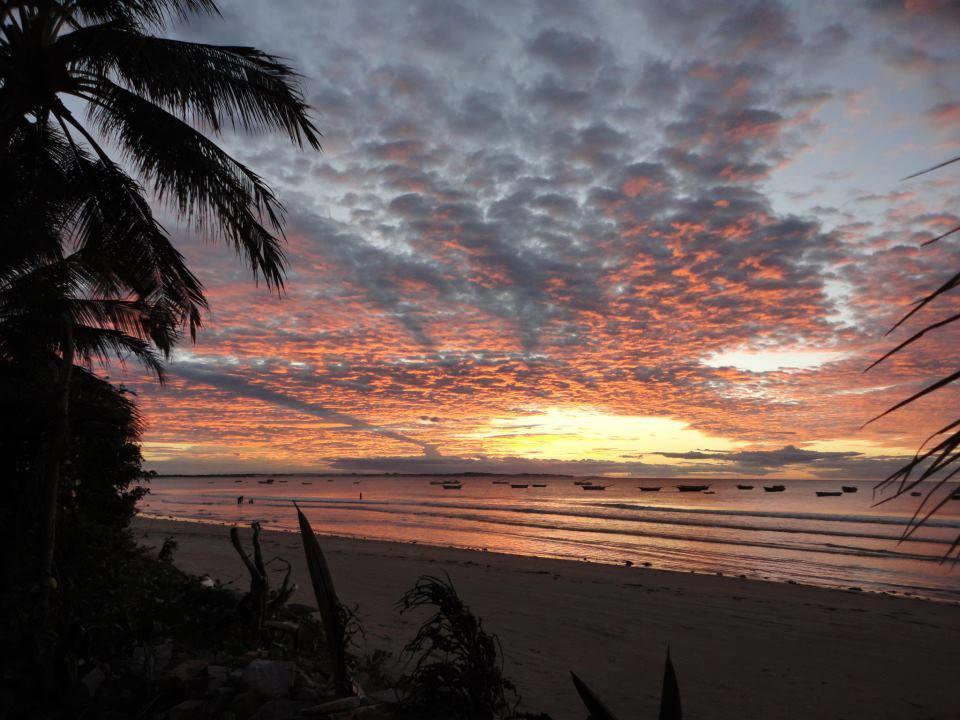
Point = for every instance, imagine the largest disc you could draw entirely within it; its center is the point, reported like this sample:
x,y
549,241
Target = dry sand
x,y
742,648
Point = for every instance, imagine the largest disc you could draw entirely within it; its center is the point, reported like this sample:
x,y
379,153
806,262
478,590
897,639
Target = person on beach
x,y
250,501
240,500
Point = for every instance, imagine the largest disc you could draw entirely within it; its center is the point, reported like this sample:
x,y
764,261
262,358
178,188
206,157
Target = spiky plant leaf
x,y
328,603
598,711
670,708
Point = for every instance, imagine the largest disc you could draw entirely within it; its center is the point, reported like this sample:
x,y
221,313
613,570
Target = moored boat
x,y
582,482
519,485
452,486
594,487
645,488
539,485
774,488
501,482
692,488
744,487
848,488
829,493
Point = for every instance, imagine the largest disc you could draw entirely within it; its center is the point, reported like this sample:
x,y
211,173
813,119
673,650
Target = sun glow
x,y
761,361
573,433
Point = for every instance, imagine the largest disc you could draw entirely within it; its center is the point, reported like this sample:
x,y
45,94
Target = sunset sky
x,y
650,237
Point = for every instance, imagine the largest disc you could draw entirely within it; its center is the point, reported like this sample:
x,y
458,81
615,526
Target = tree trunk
x,y
59,442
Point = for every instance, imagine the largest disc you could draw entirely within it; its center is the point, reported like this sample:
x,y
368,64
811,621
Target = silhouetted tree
x,y
152,98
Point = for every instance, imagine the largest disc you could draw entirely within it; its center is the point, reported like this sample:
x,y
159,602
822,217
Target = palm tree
x,y
153,98
938,458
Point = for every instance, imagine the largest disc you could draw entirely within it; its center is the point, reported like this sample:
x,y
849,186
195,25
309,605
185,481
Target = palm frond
x,y
209,85
201,181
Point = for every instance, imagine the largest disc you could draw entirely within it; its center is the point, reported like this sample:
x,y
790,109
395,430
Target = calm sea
x,y
844,541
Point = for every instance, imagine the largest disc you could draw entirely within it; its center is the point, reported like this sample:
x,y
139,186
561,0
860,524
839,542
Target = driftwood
x,y
259,600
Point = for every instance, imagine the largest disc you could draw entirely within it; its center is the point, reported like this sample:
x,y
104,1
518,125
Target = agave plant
x,y
332,612
938,457
670,707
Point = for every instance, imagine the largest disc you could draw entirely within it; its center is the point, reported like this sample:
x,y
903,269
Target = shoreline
x,y
571,559
742,647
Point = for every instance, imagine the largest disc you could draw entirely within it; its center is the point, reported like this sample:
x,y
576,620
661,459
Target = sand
x,y
741,648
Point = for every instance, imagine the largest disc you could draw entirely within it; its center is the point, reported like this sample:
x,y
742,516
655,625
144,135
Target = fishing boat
x,y
518,486
692,488
591,486
268,481
829,493
848,488
452,486
744,487
644,488
709,492
539,485
774,488
501,482
915,494
582,482
329,479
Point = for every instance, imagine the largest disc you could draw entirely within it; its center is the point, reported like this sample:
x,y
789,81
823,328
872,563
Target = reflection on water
x,y
793,535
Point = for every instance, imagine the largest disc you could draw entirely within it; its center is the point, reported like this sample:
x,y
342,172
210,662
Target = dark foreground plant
x,y
457,665
938,457
260,601
670,707
337,619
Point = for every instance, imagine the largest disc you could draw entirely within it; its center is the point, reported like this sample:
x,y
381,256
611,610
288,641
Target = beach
x,y
742,648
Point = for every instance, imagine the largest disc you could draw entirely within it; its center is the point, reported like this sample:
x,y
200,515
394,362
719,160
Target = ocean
x,y
792,536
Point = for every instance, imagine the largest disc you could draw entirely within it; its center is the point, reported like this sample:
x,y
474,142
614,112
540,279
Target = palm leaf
x,y
596,707
670,707
328,604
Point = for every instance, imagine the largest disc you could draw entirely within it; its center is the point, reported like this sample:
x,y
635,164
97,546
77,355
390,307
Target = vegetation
x,y
457,665
670,706
938,458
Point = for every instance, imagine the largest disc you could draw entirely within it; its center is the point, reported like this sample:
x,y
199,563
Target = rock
x,y
217,676
93,680
187,710
245,705
279,709
270,678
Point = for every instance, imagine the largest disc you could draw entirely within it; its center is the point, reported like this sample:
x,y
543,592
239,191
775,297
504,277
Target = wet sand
x,y
741,648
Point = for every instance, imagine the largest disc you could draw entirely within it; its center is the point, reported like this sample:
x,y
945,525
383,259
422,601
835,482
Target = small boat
x,y
238,480
452,486
268,481
692,488
306,483
915,494
283,481
501,482
519,485
582,482
826,493
644,488
594,487
774,488
955,495
439,482
709,492
356,482
539,485
744,487
329,479
848,488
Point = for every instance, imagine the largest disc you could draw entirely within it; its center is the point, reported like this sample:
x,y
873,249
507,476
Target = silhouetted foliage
x,y
938,458
670,706
457,665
